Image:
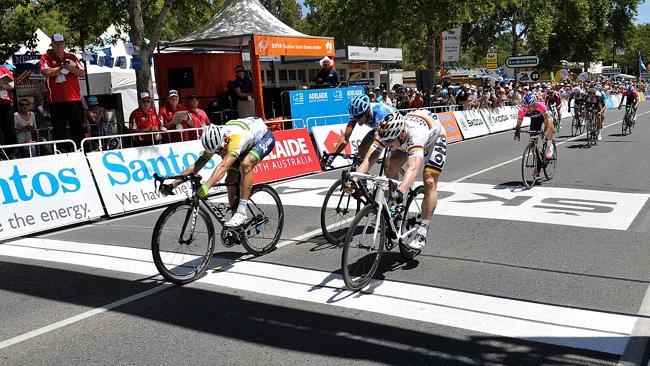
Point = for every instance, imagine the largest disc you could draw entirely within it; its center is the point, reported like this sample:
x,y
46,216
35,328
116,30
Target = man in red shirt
x,y
7,132
62,71
144,119
167,113
198,117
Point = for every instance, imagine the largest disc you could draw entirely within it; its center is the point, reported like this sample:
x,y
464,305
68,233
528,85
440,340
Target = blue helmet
x,y
359,105
444,92
530,99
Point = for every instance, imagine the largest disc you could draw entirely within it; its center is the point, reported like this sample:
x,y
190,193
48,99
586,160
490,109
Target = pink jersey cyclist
x,y
536,114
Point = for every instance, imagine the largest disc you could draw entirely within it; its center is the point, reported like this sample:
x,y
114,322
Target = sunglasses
x,y
146,101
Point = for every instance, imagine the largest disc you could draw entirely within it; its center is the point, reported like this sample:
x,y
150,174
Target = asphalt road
x,y
553,275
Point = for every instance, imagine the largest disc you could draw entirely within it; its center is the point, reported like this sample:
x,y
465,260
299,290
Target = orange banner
x,y
448,121
293,46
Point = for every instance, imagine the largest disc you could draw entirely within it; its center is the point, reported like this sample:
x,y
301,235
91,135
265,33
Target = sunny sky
x,y
644,13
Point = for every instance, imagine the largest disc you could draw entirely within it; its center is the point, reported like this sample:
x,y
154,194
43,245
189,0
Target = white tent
x,y
106,80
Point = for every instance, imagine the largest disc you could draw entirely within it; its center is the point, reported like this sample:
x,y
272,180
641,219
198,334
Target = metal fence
x,y
33,149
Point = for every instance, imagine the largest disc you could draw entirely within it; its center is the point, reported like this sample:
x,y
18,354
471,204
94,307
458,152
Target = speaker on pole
x,y
423,79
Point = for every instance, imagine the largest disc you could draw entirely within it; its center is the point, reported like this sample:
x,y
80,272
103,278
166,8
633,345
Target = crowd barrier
x,y
53,191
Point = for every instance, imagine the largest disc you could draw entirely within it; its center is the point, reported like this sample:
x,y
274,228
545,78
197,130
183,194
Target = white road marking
x,y
550,205
586,329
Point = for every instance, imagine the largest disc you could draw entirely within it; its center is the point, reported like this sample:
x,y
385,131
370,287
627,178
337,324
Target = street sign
x,y
534,76
610,71
645,76
491,61
522,61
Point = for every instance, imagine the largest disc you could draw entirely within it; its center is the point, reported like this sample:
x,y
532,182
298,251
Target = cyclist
x,y
578,102
539,115
362,111
596,100
409,138
552,99
241,143
631,99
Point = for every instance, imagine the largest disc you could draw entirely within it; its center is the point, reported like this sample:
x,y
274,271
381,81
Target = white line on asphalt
x,y
551,324
519,157
635,348
80,317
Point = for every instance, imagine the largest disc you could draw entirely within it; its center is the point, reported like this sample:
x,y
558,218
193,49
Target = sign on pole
x,y
610,71
451,44
522,61
491,61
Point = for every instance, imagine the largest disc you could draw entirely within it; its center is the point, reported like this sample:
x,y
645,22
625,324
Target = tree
x,y
287,11
17,26
137,36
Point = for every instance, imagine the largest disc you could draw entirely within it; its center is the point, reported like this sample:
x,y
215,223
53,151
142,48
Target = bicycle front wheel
x,y
262,232
575,126
363,245
550,165
181,243
338,209
412,215
529,166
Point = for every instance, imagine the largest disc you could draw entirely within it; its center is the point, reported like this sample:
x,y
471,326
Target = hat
x,y
92,101
239,68
173,93
193,96
144,94
322,60
58,37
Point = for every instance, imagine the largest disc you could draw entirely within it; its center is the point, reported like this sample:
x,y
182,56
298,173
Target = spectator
x,y
386,99
62,70
144,119
462,97
417,101
198,117
327,77
403,101
166,115
243,89
7,132
25,122
97,119
372,97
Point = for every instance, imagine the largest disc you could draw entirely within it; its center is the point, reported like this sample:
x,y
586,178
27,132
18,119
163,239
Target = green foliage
x,y
17,26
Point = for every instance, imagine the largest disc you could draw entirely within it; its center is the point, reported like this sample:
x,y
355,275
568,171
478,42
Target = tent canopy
x,y
234,25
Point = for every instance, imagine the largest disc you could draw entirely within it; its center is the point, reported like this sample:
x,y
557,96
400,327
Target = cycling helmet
x,y
391,126
359,105
212,138
444,92
630,88
530,99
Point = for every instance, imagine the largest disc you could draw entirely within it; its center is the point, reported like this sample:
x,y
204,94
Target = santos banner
x,y
125,177
46,192
326,138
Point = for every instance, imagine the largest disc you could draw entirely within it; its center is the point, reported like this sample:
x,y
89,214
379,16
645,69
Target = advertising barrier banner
x,y
448,121
321,102
471,124
125,177
326,138
499,119
293,155
46,192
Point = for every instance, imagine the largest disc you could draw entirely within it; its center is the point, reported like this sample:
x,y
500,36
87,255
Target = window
x,y
302,76
283,76
293,75
270,77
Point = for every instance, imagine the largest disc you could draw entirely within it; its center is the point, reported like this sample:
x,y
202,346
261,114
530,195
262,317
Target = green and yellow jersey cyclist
x,y
241,143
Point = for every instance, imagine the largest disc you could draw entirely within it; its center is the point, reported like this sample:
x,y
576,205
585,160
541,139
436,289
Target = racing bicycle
x,y
577,126
378,226
592,124
556,118
628,120
534,160
183,239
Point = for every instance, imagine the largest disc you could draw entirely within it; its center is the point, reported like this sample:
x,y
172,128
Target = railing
x,y
86,143
6,155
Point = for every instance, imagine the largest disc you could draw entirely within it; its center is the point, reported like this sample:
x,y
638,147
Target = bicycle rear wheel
x,y
338,209
262,232
575,126
625,127
529,166
412,215
550,165
362,249
181,254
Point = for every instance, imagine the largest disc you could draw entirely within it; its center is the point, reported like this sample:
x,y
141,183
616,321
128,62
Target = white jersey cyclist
x,y
411,139
423,130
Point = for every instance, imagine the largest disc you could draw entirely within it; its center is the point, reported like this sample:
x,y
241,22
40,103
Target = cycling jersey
x,y
537,115
242,135
632,99
424,132
379,111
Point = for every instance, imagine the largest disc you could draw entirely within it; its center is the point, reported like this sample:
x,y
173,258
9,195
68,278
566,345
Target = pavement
x,y
553,275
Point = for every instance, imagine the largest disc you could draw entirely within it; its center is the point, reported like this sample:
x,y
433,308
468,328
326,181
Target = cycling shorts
x,y
437,156
259,150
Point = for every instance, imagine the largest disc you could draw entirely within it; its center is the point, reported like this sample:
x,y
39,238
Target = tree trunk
x,y
136,33
515,38
432,64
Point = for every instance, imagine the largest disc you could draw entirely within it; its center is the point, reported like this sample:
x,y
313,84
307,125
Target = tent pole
x,y
257,80
87,82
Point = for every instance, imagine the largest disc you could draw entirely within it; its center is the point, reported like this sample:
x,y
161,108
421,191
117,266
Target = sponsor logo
x,y
353,93
338,95
318,97
329,46
298,98
19,187
262,46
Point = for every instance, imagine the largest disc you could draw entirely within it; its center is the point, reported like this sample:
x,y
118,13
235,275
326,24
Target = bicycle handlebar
x,y
185,178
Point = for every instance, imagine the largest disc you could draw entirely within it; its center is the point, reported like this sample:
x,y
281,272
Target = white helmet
x,y
212,138
391,126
